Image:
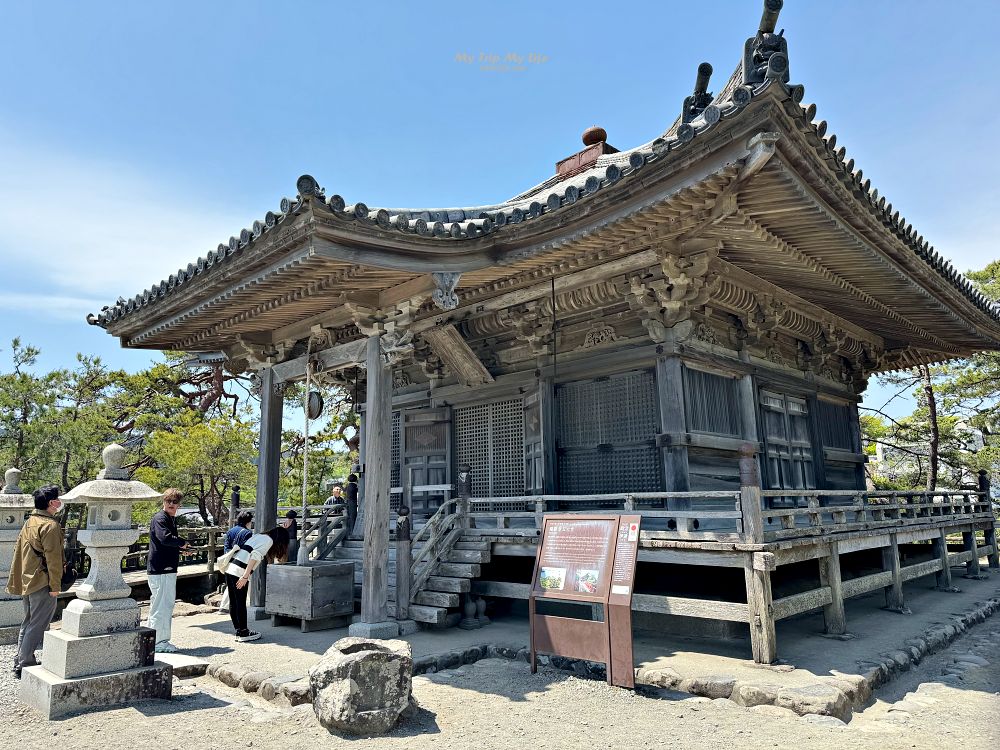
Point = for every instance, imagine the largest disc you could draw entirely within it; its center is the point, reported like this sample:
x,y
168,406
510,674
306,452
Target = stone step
x,y
446,584
458,570
468,556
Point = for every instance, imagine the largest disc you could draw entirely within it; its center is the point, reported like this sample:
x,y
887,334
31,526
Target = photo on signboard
x,y
586,581
552,579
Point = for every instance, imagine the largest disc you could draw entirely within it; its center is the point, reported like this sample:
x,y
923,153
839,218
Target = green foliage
x,y
966,400
191,429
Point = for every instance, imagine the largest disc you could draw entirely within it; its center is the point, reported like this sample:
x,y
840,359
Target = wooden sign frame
x,y
604,562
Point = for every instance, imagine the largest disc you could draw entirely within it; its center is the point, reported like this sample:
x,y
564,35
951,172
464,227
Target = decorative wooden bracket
x,y
688,283
449,346
444,293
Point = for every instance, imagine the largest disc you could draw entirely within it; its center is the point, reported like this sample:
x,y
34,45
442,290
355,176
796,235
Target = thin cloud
x,y
58,307
96,230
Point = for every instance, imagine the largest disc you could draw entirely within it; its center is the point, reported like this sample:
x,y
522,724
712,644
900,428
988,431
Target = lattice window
x,y
606,432
836,422
711,403
787,440
490,439
394,458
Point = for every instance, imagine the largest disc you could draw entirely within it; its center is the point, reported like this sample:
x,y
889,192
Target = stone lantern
x,y
14,506
100,656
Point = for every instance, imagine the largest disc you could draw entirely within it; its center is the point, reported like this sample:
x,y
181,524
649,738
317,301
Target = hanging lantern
x,y
315,405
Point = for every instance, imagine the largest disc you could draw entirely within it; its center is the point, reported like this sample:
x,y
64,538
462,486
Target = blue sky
x,y
136,137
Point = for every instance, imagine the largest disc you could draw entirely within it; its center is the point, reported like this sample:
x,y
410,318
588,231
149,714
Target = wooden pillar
x,y
750,500
944,575
972,569
834,617
890,562
403,561
670,386
272,396
375,621
760,606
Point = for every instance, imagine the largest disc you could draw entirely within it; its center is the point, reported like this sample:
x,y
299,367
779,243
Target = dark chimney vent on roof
x,y
595,142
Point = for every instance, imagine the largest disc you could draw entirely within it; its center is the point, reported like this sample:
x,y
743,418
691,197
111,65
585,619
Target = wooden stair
x,y
441,594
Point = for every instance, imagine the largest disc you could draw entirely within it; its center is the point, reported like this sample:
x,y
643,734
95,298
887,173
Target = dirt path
x,y
499,705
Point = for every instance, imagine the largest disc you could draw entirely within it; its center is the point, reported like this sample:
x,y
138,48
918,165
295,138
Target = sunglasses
x,y
173,502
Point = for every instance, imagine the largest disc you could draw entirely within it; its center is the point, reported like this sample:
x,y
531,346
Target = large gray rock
x,y
361,686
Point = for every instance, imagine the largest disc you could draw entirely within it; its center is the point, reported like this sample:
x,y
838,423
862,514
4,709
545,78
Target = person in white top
x,y
272,545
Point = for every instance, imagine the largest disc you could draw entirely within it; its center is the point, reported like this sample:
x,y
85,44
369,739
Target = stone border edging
x,y
836,696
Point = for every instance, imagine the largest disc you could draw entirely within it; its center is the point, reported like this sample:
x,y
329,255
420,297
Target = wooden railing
x,y
323,528
436,538
818,512
204,547
665,514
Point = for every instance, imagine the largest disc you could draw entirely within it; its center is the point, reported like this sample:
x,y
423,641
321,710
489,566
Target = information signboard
x,y
588,559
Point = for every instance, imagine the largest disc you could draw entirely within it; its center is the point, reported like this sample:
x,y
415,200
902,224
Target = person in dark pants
x,y
352,503
291,523
272,545
234,538
36,574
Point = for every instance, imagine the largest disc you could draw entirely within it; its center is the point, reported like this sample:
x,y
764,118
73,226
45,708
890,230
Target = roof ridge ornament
x,y
695,104
765,56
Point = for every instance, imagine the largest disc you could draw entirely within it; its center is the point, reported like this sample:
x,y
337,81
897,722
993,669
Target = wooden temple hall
x,y
682,330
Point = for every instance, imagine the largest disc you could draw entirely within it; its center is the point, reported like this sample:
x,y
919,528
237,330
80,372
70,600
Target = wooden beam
x,y
679,605
796,604
349,354
420,287
447,343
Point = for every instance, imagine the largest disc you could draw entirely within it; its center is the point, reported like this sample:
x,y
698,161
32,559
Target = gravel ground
x,y
498,705
8,685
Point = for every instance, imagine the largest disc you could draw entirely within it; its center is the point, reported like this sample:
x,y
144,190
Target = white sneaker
x,y
165,647
253,635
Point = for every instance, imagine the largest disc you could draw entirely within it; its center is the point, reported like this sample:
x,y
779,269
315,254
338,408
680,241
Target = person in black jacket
x,y
352,503
165,547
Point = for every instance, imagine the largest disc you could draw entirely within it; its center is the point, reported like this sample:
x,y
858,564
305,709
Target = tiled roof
x,y
454,225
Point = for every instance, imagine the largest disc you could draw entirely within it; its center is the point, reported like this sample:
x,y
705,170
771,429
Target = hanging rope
x,y
305,451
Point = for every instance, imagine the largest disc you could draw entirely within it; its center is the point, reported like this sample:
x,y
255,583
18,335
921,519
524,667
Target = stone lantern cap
x,y
12,497
112,484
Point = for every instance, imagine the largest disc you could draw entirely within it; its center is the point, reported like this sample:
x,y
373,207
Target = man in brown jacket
x,y
36,573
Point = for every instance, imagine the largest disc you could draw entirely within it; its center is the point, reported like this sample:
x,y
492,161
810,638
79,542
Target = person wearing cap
x,y
36,573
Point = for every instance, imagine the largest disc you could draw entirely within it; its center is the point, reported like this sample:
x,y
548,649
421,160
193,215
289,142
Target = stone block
x,y
83,618
11,613
231,674
297,692
54,697
754,694
710,686
815,699
68,656
184,665
251,681
362,686
376,630
271,687
8,636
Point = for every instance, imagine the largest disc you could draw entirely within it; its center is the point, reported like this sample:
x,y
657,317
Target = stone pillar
x,y
14,506
375,622
101,656
272,397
